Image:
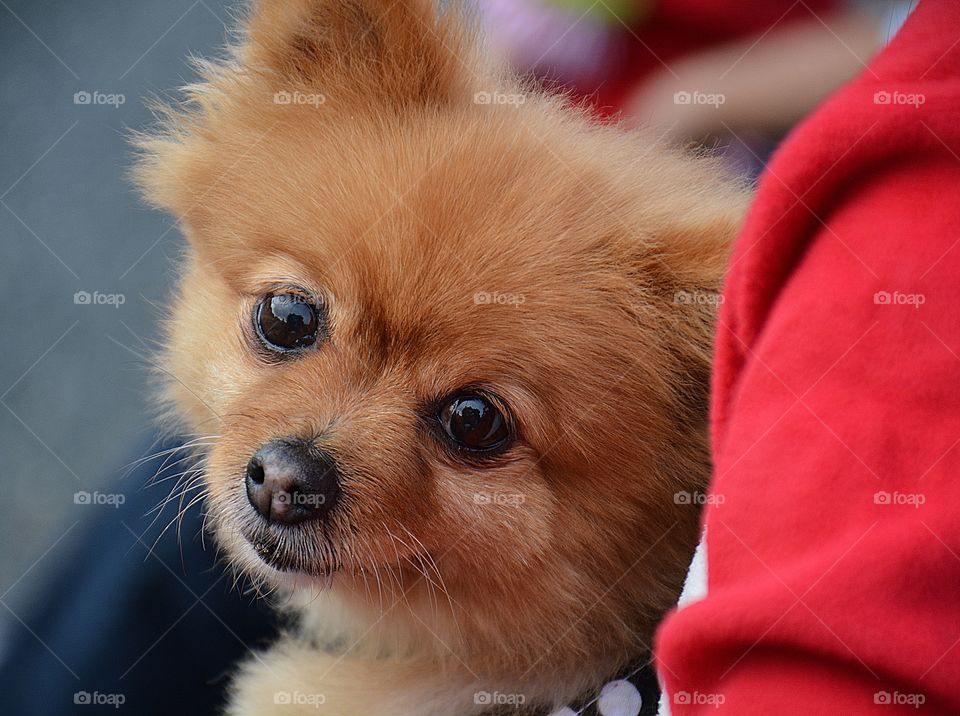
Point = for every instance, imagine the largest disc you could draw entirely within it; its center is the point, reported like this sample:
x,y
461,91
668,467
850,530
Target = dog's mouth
x,y
289,550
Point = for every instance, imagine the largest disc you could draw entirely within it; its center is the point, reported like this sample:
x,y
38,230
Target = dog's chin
x,y
262,554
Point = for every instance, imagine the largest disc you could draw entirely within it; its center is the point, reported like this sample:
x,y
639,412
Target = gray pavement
x,y
74,405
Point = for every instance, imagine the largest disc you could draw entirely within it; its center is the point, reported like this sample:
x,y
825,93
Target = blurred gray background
x,y
74,407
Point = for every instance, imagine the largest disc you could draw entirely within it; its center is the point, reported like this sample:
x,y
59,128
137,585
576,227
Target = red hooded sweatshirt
x,y
834,553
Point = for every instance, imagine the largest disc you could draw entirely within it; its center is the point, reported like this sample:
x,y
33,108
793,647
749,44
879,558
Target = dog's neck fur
x,y
424,626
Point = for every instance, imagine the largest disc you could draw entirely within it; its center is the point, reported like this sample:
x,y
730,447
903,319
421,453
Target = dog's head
x,y
445,333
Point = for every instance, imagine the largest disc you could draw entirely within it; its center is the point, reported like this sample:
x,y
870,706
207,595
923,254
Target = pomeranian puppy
x,y
447,342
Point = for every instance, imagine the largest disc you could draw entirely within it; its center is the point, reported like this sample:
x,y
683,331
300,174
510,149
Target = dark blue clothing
x,y
162,630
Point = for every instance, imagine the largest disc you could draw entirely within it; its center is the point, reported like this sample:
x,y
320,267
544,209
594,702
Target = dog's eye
x,y
474,423
286,322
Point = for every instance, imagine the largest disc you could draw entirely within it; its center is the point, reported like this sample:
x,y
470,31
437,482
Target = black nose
x,y
289,481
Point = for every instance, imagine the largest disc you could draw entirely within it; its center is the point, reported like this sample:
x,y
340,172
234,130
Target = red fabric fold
x,y
834,559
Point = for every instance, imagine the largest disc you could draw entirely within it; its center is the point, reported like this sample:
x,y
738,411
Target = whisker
x,y
129,467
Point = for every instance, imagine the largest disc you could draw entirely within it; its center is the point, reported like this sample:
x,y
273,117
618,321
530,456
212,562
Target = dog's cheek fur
x,y
203,366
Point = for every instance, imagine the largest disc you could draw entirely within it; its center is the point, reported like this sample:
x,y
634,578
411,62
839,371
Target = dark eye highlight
x,y
474,422
287,321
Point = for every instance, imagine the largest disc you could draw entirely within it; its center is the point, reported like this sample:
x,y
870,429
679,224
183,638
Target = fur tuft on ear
x,y
398,51
323,65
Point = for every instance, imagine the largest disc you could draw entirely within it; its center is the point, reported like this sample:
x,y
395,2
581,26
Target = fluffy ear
x,y
684,272
691,258
365,58
401,51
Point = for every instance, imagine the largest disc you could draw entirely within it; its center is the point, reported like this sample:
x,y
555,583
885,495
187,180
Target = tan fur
x,y
399,198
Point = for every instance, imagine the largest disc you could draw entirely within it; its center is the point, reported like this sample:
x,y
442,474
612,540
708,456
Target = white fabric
x,y
694,589
619,698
